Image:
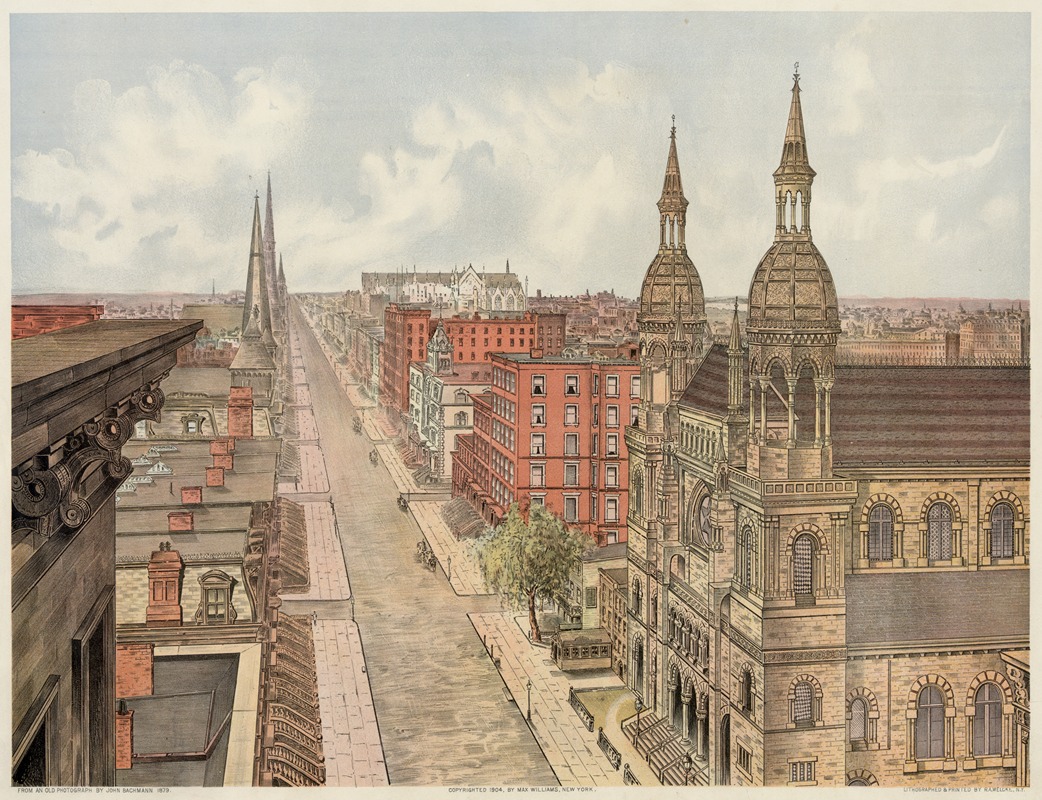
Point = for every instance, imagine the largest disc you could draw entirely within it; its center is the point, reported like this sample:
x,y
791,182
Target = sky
x,y
440,140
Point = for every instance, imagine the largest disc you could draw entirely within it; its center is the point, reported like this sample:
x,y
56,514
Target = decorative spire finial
x,y
673,130
796,72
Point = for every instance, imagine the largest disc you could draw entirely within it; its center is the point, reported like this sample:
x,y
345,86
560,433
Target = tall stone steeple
x,y
270,276
671,324
793,327
256,285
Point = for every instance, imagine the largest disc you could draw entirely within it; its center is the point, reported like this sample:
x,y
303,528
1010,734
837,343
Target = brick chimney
x,y
219,447
134,670
124,736
240,411
180,521
536,352
215,476
164,587
226,462
191,495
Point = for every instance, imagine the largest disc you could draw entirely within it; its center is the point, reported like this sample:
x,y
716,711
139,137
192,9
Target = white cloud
x,y
150,161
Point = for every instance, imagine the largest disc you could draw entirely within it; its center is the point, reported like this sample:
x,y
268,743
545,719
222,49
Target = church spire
x,y
256,268
672,205
794,175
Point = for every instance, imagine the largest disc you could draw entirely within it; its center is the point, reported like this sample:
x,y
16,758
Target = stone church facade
x,y
828,565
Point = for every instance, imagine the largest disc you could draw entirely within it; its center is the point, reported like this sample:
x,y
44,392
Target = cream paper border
x,y
8,7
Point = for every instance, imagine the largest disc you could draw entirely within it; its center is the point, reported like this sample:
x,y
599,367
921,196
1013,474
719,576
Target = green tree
x,y
525,558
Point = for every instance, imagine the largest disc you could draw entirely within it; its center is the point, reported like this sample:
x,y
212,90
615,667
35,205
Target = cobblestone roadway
x,y
444,716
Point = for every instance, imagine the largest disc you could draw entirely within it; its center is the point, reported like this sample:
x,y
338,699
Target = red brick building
x,y
31,320
550,430
408,329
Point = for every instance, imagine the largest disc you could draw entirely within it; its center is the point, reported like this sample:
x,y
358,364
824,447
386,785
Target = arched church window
x,y
1002,531
939,532
880,533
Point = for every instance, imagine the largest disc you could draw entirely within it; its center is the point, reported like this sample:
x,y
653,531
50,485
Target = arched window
x,y
705,529
637,491
929,722
1002,531
803,569
745,690
939,532
881,533
987,721
638,665
751,571
461,418
858,720
803,705
636,598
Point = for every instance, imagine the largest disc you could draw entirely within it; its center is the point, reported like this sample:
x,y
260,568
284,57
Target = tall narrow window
x,y
987,721
858,720
1002,531
705,529
803,705
803,569
929,724
880,533
939,534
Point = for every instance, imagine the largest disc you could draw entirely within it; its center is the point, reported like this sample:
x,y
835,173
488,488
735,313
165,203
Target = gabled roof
x,y
906,415
931,415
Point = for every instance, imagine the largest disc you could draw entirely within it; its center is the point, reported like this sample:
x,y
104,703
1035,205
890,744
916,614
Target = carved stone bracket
x,y
47,492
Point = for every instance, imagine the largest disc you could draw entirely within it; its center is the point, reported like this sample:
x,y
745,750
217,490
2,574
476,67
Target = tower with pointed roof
x,y
792,329
253,365
671,323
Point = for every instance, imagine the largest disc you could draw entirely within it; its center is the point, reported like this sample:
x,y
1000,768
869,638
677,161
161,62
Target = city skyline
x,y
539,141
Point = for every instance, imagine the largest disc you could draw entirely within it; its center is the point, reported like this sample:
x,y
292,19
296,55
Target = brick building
x,y
77,394
827,564
30,320
550,430
408,329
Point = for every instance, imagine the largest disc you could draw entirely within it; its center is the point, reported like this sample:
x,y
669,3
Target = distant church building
x,y
827,565
465,290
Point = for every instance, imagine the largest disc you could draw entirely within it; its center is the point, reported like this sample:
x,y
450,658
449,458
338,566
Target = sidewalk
x,y
350,736
351,741
466,576
570,748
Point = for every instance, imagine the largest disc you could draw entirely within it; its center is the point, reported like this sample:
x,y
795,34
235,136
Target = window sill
x,y
931,765
988,762
861,746
802,783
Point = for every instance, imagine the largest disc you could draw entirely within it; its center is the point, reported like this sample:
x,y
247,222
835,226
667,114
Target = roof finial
x,y
796,73
673,130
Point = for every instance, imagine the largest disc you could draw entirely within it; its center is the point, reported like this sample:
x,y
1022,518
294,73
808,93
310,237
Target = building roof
x,y
930,415
932,606
707,389
617,574
606,553
85,367
527,358
906,414
211,381
252,355
217,317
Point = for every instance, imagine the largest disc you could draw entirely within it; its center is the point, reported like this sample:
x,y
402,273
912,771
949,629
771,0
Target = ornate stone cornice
x,y
47,492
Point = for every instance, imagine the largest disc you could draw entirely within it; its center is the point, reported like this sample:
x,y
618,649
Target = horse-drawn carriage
x,y
426,556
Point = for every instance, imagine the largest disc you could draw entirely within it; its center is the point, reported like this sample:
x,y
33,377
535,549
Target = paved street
x,y
443,714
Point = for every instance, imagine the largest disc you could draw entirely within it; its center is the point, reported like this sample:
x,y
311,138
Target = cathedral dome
x,y
672,286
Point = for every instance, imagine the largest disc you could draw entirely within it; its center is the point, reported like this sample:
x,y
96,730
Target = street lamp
x,y
529,687
637,704
688,766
